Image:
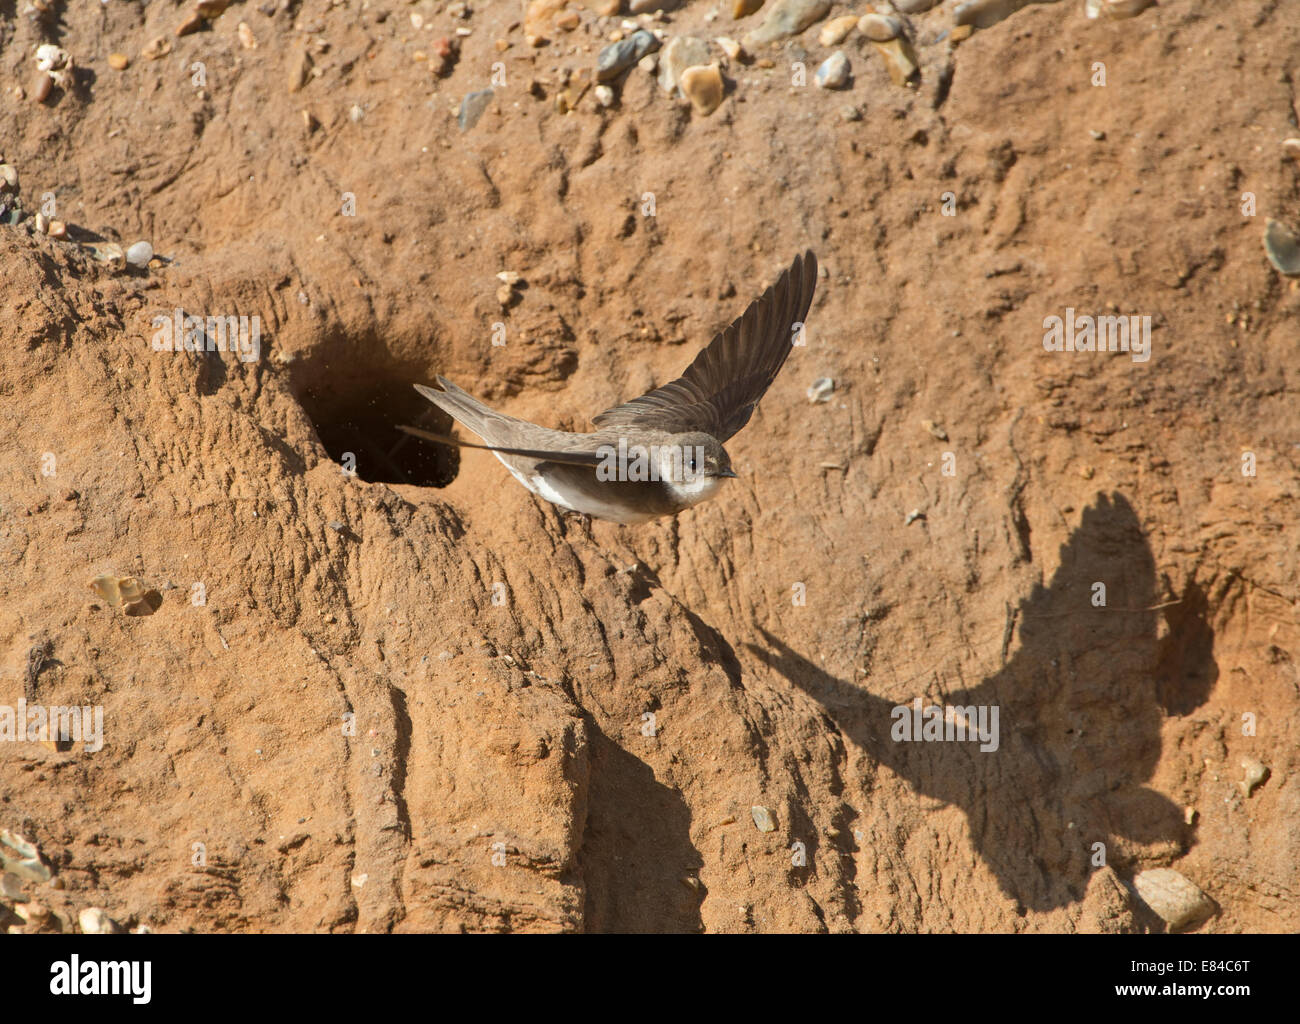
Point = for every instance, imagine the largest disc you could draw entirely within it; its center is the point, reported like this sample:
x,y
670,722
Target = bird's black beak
x,y
727,473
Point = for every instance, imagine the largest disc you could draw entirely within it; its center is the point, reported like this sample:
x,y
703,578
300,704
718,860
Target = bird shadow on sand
x,y
1080,704
636,849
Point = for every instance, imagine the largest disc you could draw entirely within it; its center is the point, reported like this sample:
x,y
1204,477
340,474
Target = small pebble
x,y
703,87
834,72
57,229
1097,136
299,70
1283,248
35,914
734,50
50,57
139,254
22,857
157,48
190,25
935,430
126,592
109,253
604,95
1256,775
900,60
1175,898
837,30
119,61
472,108
1291,147
880,28
763,819
913,516
94,921
619,56
821,390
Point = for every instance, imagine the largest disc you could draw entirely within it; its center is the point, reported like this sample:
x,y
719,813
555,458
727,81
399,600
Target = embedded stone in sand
x,y
1174,897
127,593
703,87
1283,248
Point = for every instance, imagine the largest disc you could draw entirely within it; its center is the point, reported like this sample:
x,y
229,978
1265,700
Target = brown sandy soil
x,y
497,774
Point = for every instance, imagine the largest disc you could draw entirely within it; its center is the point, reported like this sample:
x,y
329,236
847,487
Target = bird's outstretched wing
x,y
719,390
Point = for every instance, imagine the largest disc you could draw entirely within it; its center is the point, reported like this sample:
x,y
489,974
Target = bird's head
x,y
694,457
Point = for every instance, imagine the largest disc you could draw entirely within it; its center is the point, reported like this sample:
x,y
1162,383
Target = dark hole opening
x,y
357,418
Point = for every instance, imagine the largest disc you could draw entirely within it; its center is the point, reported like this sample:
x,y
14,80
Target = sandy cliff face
x,y
417,699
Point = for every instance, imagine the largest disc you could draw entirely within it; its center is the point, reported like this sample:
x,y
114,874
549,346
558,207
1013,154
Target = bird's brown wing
x,y
719,390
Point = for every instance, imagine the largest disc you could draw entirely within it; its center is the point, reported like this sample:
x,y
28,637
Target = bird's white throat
x,y
695,489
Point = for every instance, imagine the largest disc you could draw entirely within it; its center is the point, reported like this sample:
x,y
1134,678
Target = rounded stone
x,y
139,254
880,28
703,87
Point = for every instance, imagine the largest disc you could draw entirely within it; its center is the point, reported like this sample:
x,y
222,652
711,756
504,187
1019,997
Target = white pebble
x,y
821,390
94,921
139,254
834,72
763,819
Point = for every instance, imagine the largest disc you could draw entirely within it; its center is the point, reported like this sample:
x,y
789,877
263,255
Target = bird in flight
x,y
659,454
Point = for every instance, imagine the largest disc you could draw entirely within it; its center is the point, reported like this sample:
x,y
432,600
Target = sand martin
x,y
659,454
